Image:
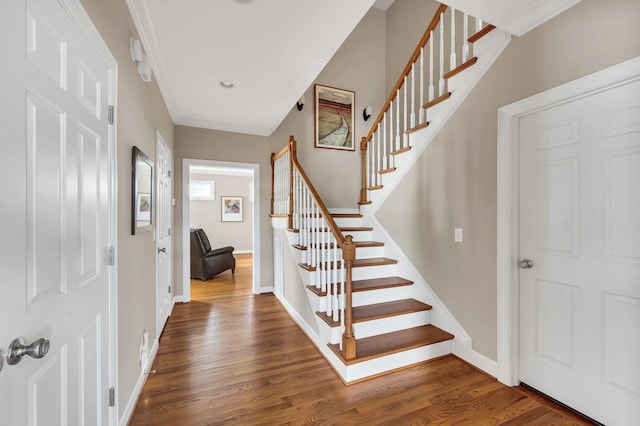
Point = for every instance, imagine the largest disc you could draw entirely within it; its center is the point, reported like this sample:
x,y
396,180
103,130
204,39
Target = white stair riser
x,y
361,273
348,221
368,272
369,252
390,324
370,297
395,361
357,235
303,256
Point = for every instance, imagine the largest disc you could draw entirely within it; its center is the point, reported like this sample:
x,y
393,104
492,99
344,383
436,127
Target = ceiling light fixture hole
x,y
227,84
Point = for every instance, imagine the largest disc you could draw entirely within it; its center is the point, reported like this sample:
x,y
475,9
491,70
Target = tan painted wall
x,y
406,22
206,214
453,184
356,66
141,110
294,288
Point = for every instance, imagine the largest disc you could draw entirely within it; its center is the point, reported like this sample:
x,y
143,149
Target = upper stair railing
x,y
423,83
327,253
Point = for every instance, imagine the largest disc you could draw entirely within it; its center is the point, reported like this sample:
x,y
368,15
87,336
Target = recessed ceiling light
x,y
243,1
226,84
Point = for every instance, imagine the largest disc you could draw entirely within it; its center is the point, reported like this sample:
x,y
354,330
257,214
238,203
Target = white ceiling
x,y
271,50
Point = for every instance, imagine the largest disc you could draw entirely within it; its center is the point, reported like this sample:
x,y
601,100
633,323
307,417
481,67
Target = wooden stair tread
x,y
397,341
483,32
355,228
373,188
366,285
389,170
437,100
378,283
361,244
401,150
346,215
388,309
343,229
379,311
418,127
373,261
460,68
364,203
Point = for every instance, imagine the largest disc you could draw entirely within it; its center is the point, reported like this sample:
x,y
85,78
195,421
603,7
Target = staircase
x,y
373,312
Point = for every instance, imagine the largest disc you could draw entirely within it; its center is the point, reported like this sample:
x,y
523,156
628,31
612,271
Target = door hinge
x,y
110,114
112,397
169,173
169,232
169,289
112,257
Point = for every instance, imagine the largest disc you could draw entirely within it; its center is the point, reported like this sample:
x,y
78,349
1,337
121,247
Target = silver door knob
x,y
526,264
162,250
18,349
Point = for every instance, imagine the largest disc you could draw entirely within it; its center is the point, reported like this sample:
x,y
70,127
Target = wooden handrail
x,y
364,145
407,69
346,244
333,227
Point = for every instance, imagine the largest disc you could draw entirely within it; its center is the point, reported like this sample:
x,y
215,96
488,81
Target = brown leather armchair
x,y
206,263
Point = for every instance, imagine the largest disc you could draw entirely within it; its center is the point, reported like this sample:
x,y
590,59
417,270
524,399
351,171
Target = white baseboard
x,y
266,290
243,252
137,389
178,299
298,319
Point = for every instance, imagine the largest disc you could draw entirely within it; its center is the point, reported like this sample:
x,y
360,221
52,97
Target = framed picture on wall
x,y
231,209
334,112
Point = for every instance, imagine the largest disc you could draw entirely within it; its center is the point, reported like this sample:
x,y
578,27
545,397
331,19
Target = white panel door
x,y
163,233
55,217
580,225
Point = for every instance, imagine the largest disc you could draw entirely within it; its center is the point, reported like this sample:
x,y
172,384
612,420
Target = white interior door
x,y
56,156
580,226
163,233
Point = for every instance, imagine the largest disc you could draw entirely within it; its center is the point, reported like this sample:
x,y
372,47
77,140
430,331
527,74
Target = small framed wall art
x,y
231,209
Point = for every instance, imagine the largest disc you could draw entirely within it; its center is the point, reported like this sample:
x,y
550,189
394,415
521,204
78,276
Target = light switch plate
x,y
457,235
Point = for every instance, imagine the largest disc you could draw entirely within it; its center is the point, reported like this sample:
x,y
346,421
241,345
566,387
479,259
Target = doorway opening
x,y
222,198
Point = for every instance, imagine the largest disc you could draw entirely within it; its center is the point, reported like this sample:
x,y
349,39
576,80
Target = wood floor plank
x,y
230,357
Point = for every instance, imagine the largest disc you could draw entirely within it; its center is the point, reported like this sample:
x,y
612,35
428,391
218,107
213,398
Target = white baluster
x,y
372,157
478,25
412,121
431,80
379,153
397,144
453,60
421,114
334,295
384,142
441,82
465,36
392,136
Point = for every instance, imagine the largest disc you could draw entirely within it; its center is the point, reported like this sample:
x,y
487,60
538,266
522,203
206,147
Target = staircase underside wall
x,y
453,182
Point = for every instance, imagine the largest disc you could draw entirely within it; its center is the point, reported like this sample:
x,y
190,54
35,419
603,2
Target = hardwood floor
x,y
233,358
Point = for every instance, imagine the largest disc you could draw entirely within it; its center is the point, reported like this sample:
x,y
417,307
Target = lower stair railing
x,y
327,254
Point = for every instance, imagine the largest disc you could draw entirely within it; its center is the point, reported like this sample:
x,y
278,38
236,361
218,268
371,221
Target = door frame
x,y
508,208
160,142
186,276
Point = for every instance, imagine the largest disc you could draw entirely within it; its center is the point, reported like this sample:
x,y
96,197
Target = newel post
x,y
273,179
363,153
292,155
348,339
